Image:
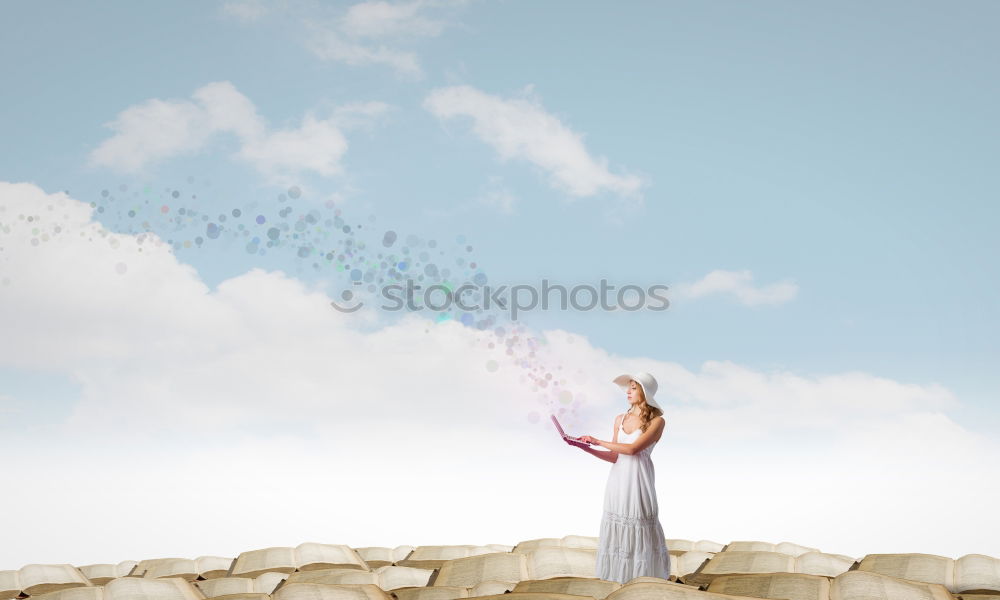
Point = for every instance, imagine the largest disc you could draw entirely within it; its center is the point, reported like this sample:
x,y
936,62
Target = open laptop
x,y
563,433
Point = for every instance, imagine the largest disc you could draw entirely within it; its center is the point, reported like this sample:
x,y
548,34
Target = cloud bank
x,y
157,130
255,402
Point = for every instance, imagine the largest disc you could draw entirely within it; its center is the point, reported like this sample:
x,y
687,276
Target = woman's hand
x,y
589,439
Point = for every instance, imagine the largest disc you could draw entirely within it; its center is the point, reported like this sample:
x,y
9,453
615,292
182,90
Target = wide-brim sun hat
x,y
647,381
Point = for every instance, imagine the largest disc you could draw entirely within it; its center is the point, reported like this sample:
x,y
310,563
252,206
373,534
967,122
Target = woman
x,y
631,541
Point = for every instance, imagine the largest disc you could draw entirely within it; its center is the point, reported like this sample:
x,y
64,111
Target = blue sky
x,y
841,152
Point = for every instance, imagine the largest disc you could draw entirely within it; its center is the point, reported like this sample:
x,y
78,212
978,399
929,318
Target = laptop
x,y
563,433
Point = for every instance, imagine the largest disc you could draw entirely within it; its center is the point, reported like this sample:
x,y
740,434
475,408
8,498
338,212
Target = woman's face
x,y
634,392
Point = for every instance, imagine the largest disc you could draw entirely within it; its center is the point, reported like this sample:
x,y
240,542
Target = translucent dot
x,y
121,268
294,192
492,366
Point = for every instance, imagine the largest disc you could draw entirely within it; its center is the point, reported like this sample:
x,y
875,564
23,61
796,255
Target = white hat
x,y
647,381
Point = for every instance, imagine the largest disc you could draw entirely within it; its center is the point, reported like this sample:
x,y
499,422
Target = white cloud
x,y
206,398
245,10
331,45
365,33
496,195
157,130
740,285
380,19
520,128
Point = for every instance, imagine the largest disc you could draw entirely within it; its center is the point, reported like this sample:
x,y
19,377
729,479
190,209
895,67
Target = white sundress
x,y
631,541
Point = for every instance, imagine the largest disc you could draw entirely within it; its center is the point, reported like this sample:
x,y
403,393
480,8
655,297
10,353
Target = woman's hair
x,y
646,412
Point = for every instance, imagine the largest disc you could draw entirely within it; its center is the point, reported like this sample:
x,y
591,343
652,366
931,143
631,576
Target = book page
x,y
532,596
708,546
793,549
790,586
221,586
491,587
95,592
38,579
376,554
325,591
664,591
244,596
310,555
255,562
167,588
10,584
529,545
339,575
173,567
99,573
401,552
580,541
817,563
391,577
469,571
561,562
749,546
268,582
977,572
688,563
731,562
926,568
145,565
865,585
212,566
443,592
577,586
433,557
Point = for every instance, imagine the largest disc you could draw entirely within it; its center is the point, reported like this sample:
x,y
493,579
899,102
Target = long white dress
x,y
631,542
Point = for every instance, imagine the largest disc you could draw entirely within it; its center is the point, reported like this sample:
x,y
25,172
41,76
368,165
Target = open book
x,y
567,541
388,577
433,557
515,566
850,585
380,556
449,592
681,546
970,573
130,588
265,583
304,557
39,579
324,591
203,567
99,574
750,562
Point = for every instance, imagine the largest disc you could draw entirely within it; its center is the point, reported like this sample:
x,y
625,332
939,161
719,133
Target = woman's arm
x,y
602,454
611,456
